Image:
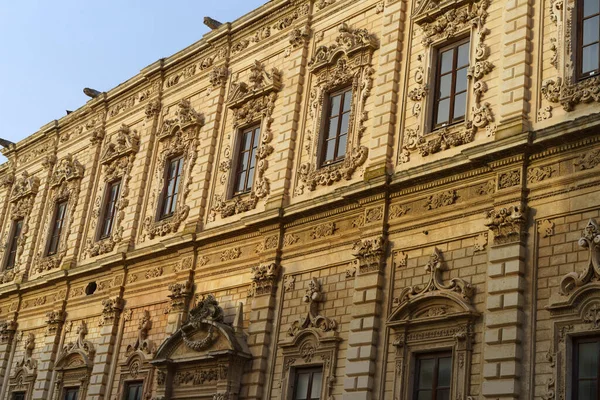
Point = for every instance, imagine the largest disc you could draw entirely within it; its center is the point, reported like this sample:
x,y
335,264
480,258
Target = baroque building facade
x,y
324,199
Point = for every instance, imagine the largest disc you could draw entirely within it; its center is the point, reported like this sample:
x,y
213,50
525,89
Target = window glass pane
x,y
329,149
445,86
253,158
246,141
332,130
588,360
461,80
335,105
590,58
244,162
345,122
302,386
347,100
315,391
341,149
250,179
463,55
424,395
587,390
460,102
443,395
444,371
443,111
240,186
446,61
426,373
591,7
590,30
255,139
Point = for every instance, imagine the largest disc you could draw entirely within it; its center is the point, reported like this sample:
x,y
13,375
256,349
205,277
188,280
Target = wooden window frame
x,y
173,196
437,355
312,370
13,247
437,81
240,157
327,116
579,43
139,383
55,231
105,209
575,374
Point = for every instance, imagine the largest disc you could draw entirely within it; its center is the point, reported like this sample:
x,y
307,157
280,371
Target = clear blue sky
x,y
51,50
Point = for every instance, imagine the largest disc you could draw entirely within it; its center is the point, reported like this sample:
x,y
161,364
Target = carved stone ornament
x,y
312,320
24,373
590,240
251,102
142,343
507,224
7,331
180,296
264,279
177,137
54,320
439,22
111,309
74,363
346,62
370,254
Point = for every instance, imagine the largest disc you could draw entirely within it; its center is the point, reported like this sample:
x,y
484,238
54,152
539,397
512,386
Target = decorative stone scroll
x,y
346,62
65,183
313,320
142,343
251,102
24,373
74,364
370,254
264,279
589,240
117,159
507,224
439,22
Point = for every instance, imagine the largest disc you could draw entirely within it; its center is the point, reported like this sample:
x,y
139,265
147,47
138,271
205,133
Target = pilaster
x,y
7,333
54,321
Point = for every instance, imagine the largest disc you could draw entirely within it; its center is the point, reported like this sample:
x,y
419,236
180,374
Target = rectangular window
x,y
70,393
450,101
11,257
335,133
586,361
307,383
18,396
58,220
109,211
246,160
588,38
173,171
133,390
433,376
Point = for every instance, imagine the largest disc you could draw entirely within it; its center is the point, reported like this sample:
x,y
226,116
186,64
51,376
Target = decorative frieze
x,y
323,230
442,199
538,174
588,160
230,254
509,179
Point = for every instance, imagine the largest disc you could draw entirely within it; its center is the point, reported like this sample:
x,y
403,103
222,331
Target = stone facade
x,y
480,239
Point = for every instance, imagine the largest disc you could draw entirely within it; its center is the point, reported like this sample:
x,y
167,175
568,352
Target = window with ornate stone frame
x,y
567,87
344,63
574,314
441,24
21,200
244,162
177,137
74,365
433,317
251,102
24,373
116,159
311,341
64,187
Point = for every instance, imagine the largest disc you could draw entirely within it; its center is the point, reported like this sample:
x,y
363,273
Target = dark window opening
x,y
588,38
58,221
90,288
133,390
433,376
307,383
109,211
70,393
586,370
450,101
13,246
246,160
18,396
337,122
173,171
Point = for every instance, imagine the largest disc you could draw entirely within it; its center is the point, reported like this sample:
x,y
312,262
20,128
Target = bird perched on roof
x,y
212,23
91,92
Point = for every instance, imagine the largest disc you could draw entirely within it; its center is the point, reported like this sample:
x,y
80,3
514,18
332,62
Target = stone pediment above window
x,y
66,170
260,83
75,362
26,185
426,11
126,141
185,118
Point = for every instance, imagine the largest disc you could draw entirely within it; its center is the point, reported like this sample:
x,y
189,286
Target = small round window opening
x,y
90,288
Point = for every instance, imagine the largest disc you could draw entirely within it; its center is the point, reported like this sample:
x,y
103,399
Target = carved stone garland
x,y
564,88
591,241
65,184
177,136
448,24
250,102
22,378
21,200
74,364
117,162
345,62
